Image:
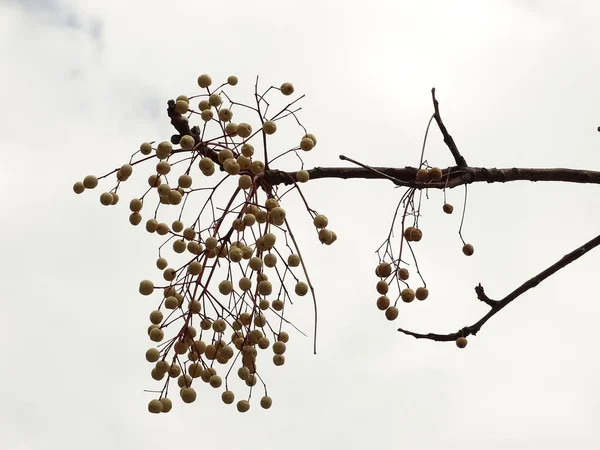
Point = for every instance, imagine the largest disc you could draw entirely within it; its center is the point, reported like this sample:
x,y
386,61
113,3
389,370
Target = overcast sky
x,y
85,82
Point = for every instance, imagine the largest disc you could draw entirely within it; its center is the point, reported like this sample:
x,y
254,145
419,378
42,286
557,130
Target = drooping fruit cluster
x,y
393,270
234,269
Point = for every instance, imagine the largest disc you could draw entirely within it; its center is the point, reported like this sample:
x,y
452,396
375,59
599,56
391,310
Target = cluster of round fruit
x,y
384,270
241,238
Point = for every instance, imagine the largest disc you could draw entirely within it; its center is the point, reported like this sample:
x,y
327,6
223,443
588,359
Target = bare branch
x,y
453,176
498,305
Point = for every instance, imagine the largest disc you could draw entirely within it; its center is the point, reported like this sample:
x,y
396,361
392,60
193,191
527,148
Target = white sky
x,y
85,82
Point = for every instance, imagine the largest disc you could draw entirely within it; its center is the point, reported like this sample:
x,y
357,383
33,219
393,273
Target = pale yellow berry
x,y
115,198
181,347
266,402
156,317
301,288
171,303
264,304
154,180
155,406
164,189
247,150
106,198
260,321
284,337
293,260
277,305
164,149
225,287
257,167
157,335
206,164
270,260
244,162
146,287
279,360
204,80
265,288
78,187
243,406
167,404
206,115
403,273
461,342
177,226
231,166
162,366
169,274
163,168
255,263
269,240
182,97
302,176
181,106
195,306
269,127
152,355
214,99
195,267
179,246
174,371
244,130
211,243
184,381
90,182
145,148
235,254
306,144
194,247
231,129
325,236
225,154
320,221
245,284
189,234
278,214
245,182
162,229
225,115
185,181
188,394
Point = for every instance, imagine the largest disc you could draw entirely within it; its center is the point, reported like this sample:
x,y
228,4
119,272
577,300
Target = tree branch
x,y
498,305
452,176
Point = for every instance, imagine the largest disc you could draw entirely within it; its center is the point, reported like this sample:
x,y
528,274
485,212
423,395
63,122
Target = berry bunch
x,y
235,269
393,270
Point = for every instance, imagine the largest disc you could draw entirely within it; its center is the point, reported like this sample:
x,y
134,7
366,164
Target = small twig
x,y
460,161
